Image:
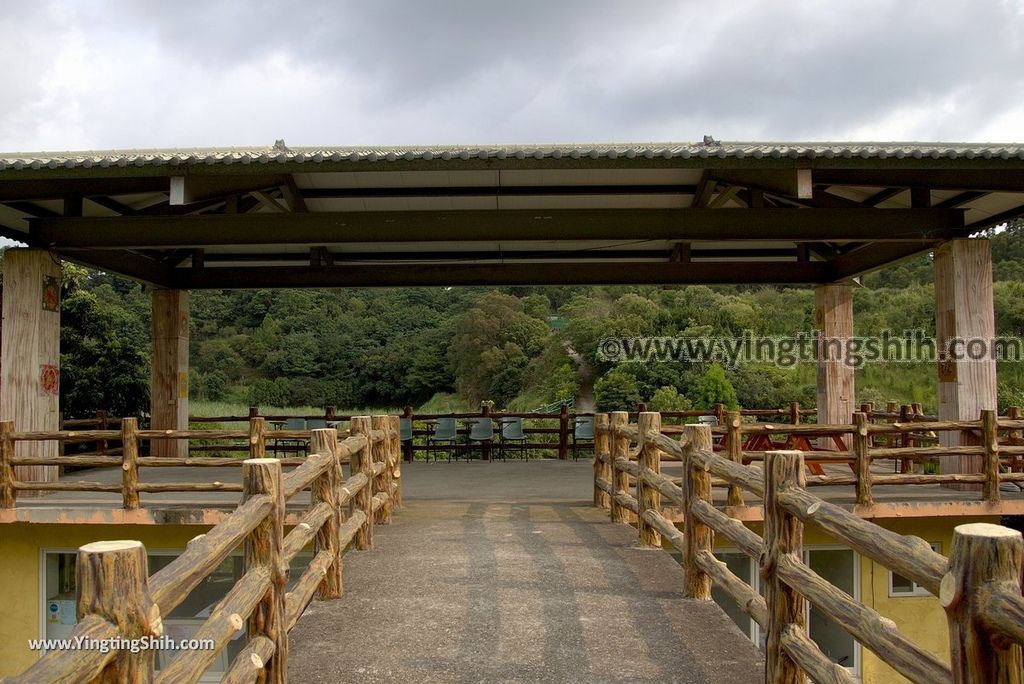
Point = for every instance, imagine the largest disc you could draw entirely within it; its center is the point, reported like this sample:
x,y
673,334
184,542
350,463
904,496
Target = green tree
x,y
715,388
617,391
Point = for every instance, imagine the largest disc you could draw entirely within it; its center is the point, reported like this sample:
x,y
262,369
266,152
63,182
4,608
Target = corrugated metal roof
x,y
722,150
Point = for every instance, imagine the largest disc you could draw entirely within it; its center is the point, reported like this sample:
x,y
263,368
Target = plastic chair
x,y
482,431
444,433
299,444
583,431
512,432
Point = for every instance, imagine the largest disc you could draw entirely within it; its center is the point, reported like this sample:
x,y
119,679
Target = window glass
x,y
837,567
739,565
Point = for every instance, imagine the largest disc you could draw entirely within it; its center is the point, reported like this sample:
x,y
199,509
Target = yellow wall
x,y
920,618
20,597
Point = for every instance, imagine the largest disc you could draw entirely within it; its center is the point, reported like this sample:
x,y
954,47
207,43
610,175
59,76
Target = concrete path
x,y
503,572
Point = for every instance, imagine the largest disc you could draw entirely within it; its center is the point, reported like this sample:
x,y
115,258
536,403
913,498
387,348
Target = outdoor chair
x,y
444,434
287,444
582,434
512,433
481,432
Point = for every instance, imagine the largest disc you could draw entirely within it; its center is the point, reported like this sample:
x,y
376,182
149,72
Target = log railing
x,y
131,462
118,599
979,585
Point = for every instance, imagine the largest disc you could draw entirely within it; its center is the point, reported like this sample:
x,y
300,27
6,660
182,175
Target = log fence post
x,y
383,481
262,549
130,463
326,489
601,454
254,411
112,581
101,424
8,495
734,445
783,535
362,462
990,441
620,478
862,458
647,497
563,433
719,410
699,537
794,412
985,560
395,443
257,437
906,416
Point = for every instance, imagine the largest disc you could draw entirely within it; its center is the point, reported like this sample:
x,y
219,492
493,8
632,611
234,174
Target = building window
x,y
900,586
836,565
59,598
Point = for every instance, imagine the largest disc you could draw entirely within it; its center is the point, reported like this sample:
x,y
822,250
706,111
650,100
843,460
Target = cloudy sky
x,y
89,74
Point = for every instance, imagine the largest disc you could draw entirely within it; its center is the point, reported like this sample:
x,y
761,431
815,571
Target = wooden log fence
x,y
979,584
118,598
132,464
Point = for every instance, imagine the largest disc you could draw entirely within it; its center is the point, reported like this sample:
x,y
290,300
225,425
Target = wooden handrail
x,y
979,585
120,599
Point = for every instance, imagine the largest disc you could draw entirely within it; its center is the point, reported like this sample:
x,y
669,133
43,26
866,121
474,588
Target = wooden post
x,y
329,413
30,355
101,424
794,412
168,394
395,450
601,453
112,579
699,537
862,458
8,496
383,481
563,433
833,315
254,411
719,410
362,462
257,437
648,497
783,534
906,416
990,440
262,549
130,463
963,312
985,561
326,489
734,444
620,478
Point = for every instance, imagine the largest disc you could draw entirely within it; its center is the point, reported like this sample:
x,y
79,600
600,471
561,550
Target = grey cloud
x,y
466,70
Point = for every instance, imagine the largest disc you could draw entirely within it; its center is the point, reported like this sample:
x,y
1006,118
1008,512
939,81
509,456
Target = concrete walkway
x,y
503,572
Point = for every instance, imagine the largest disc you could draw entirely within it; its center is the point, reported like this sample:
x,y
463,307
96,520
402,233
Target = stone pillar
x,y
833,318
169,379
30,357
964,311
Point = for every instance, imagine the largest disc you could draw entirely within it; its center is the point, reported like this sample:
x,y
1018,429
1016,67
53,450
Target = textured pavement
x,y
503,572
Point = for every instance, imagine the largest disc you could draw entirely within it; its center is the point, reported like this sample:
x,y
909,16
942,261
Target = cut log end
x,y
986,530
107,546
